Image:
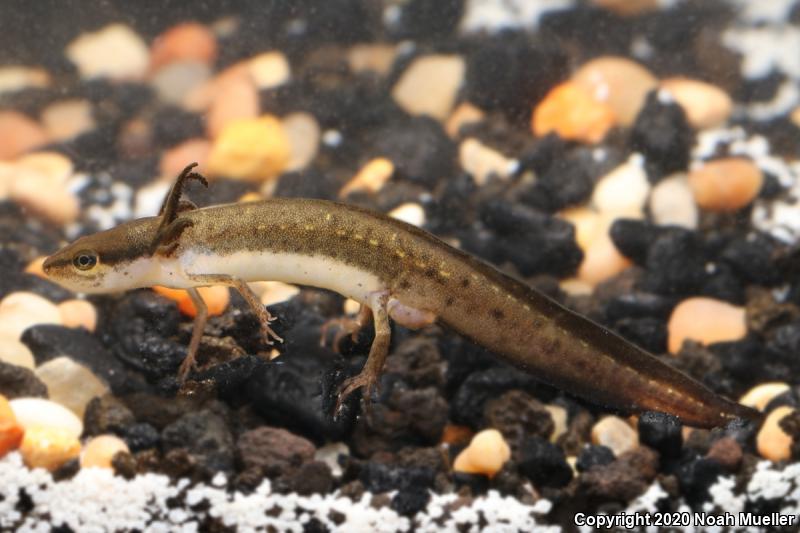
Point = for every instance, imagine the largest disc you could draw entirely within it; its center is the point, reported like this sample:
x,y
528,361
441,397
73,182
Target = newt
x,y
395,271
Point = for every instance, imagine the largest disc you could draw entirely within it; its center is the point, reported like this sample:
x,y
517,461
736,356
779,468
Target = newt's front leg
x,y
369,375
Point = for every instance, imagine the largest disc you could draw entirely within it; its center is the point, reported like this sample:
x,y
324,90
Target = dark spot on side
x,y
449,301
430,272
465,282
497,314
404,284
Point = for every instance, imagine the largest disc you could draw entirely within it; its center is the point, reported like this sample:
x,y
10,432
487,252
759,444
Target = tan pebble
x,y
175,82
269,70
573,113
234,100
627,8
18,134
429,85
623,191
410,213
70,384
59,205
274,292
78,314
21,310
672,203
66,119
559,416
48,448
576,287
772,441
587,223
725,184
351,307
620,82
303,133
795,116
601,261
36,267
32,412
174,160
483,162
114,51
14,352
705,320
486,454
14,79
100,451
250,149
375,57
706,105
188,41
53,165
615,433
463,115
371,178
10,430
759,396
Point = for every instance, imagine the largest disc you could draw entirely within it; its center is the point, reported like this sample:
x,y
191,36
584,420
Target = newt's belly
x,y
317,270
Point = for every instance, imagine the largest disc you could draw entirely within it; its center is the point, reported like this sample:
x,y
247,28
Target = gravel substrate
x,y
637,161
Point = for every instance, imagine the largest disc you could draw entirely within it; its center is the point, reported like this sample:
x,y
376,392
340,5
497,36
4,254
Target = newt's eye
x,y
85,260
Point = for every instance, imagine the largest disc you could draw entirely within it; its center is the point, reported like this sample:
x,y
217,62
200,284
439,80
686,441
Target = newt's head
x,y
109,261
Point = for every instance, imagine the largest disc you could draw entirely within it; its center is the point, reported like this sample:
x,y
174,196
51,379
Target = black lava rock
x,y
420,149
20,382
566,181
633,238
175,125
543,463
663,135
649,333
141,330
696,477
106,414
751,259
518,415
509,72
541,153
307,183
141,436
467,406
20,281
427,19
230,378
662,432
676,263
49,341
741,359
287,393
410,501
639,305
379,477
205,435
535,242
594,455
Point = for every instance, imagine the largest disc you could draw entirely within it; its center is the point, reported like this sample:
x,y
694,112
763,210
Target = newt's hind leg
x,y
197,332
369,375
264,317
345,326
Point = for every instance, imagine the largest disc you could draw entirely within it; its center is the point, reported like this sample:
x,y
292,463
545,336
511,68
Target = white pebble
x,y
483,162
38,412
70,384
616,433
672,203
21,310
269,70
304,135
622,191
14,352
14,79
114,51
410,213
67,119
175,81
429,85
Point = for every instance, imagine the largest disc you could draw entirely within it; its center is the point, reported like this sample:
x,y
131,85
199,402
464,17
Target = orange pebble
x,y
705,320
18,134
726,184
175,159
216,298
189,41
10,431
48,448
454,434
486,454
772,441
573,114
